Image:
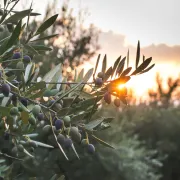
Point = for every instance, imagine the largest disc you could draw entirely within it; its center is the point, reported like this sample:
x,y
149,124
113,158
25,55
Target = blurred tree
x,y
73,43
161,95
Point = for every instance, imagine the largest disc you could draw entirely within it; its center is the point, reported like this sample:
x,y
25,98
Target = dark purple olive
x,y
98,81
24,101
16,55
27,59
40,116
101,75
58,124
67,143
117,102
51,102
107,98
90,149
61,139
6,89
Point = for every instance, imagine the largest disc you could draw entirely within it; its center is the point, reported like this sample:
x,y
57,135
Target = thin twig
x,y
6,155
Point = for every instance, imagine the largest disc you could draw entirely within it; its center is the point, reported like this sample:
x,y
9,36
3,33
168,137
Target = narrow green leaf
x,y
97,62
34,14
2,160
45,38
80,75
42,144
146,70
108,74
2,40
138,54
38,86
93,124
102,142
126,71
115,65
46,24
41,48
17,17
88,75
5,101
67,92
5,1
121,66
128,58
83,94
29,71
56,76
29,16
38,95
142,66
104,64
31,49
14,37
53,75
118,81
144,58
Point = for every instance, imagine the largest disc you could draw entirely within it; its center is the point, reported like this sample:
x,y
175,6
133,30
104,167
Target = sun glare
x,y
121,86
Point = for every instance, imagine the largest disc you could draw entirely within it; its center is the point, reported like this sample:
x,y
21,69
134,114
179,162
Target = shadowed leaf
x,y
138,54
142,66
115,65
146,70
97,62
126,71
102,142
45,38
17,16
121,65
14,37
80,75
104,64
46,24
108,74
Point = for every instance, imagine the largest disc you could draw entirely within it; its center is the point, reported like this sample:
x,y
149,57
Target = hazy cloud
x,y
115,44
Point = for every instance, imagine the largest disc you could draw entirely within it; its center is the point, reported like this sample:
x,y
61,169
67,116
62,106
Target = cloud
x,y
115,44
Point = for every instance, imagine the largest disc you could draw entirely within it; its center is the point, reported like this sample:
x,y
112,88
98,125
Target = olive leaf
x,y
46,24
142,66
45,38
104,64
14,37
121,66
138,54
97,62
115,65
17,16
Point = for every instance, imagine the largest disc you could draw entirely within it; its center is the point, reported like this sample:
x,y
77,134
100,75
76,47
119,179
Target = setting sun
x,y
121,86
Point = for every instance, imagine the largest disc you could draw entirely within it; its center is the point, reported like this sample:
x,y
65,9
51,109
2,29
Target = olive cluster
x,y
119,98
66,134
26,58
121,93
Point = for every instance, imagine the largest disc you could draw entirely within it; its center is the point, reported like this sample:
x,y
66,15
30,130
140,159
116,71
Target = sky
x,y
156,23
